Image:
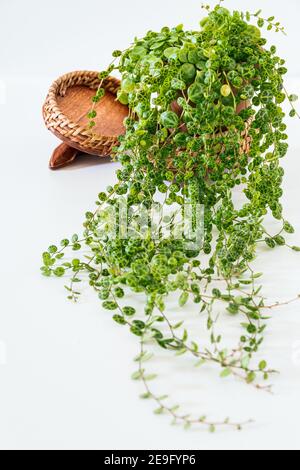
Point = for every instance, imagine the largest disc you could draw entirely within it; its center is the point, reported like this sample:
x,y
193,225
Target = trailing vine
x,y
205,121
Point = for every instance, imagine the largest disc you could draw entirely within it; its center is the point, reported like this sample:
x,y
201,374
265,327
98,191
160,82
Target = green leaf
x,y
245,282
251,329
216,293
188,72
119,293
185,336
225,373
279,240
178,325
270,242
137,375
163,397
169,119
110,305
287,227
181,352
257,275
245,362
177,85
145,396
75,263
102,197
251,377
46,271
117,53
59,272
262,365
150,377
128,85
200,363
183,299
226,90
260,23
293,98
138,52
92,115
144,357
129,311
119,319
233,308
76,247
171,52
175,408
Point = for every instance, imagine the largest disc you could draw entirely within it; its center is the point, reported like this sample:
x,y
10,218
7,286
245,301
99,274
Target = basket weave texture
x,y
76,135
246,138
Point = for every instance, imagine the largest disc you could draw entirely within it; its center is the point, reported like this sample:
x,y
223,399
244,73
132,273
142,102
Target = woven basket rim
x,y
61,117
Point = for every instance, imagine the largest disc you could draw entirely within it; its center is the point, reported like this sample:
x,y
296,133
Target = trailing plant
x,y
205,119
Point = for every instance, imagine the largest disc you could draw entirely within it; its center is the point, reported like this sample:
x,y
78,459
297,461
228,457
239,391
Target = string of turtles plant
x,y
193,96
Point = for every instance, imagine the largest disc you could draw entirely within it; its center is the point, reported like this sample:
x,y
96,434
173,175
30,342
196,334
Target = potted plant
x,y
205,118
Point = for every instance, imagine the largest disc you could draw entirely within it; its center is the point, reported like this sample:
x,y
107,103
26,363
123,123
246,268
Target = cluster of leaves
x,y
190,95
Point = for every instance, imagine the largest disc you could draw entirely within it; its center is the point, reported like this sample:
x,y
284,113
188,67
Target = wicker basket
x,y
65,113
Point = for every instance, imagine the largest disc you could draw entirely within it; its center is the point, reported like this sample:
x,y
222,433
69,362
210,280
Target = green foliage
x,y
190,95
129,311
169,119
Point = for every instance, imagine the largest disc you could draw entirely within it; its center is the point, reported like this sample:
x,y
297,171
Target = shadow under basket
x,y
65,111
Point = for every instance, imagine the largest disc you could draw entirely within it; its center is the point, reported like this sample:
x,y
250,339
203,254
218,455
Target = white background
x,y
65,369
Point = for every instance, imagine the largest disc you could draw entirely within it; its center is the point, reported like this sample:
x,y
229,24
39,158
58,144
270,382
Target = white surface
x,y
64,369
